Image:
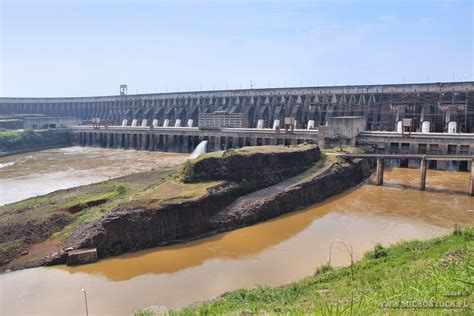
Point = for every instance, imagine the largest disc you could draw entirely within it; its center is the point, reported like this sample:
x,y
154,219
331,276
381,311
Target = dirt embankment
x,y
212,194
228,209
35,227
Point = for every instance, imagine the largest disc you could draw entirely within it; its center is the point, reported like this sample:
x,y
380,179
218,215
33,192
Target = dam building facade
x,y
432,107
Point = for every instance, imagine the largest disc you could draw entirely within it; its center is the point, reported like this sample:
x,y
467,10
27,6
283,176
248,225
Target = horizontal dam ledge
x,y
464,86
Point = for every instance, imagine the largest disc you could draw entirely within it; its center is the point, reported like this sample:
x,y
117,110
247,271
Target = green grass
x,y
250,150
172,191
419,272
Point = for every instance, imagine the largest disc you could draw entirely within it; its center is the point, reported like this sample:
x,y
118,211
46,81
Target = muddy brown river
x,y
276,252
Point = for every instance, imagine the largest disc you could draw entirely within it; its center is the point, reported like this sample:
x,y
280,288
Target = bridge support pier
x,y
471,183
423,174
380,170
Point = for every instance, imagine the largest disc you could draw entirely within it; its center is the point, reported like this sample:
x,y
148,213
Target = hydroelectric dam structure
x,y
436,106
440,116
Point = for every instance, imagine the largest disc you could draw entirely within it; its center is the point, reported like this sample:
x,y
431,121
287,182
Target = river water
x,y
276,252
46,171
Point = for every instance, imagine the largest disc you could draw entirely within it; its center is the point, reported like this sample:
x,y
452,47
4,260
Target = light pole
x,y
85,300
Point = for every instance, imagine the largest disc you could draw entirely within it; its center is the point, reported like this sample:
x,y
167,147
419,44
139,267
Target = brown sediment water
x,y
276,252
42,172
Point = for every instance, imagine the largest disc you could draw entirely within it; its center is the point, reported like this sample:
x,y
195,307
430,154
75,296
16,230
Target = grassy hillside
x,y
417,277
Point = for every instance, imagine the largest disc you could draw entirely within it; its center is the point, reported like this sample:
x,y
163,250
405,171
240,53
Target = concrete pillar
x,y
166,143
177,123
260,124
118,141
471,182
155,123
235,142
253,141
145,123
166,123
124,122
380,170
127,140
151,147
190,123
134,122
108,140
310,124
423,166
143,141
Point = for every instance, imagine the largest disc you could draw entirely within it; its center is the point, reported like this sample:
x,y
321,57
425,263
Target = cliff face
x,y
260,168
338,178
131,230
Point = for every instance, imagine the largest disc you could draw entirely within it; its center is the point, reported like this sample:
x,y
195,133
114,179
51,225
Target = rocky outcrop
x,y
260,168
339,177
130,230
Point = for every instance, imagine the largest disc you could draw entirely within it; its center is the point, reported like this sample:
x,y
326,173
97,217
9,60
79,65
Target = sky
x,y
86,48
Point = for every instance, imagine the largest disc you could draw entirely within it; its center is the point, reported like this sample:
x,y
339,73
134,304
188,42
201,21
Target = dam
x,y
434,107
425,118
272,152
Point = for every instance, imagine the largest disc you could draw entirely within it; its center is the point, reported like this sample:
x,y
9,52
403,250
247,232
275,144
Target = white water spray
x,y
200,149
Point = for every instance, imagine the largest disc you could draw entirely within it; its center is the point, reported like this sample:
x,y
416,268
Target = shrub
x,y
379,251
121,190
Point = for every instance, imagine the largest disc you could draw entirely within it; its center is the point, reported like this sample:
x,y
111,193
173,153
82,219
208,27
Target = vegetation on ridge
x,y
19,140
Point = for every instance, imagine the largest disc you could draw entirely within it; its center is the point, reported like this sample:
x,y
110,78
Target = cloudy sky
x,y
81,47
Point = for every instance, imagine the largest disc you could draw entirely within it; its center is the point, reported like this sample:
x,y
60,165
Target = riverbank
x,y
169,206
271,253
416,277
19,142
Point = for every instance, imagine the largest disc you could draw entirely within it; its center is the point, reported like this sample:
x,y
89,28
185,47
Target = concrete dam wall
x,y
433,106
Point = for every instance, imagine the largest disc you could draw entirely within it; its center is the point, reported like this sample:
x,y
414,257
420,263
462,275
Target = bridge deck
x,y
409,156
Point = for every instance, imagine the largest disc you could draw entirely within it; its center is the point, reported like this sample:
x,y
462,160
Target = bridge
x,y
380,158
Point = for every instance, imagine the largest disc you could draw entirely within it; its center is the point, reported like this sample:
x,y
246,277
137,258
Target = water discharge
x,y
201,148
271,253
